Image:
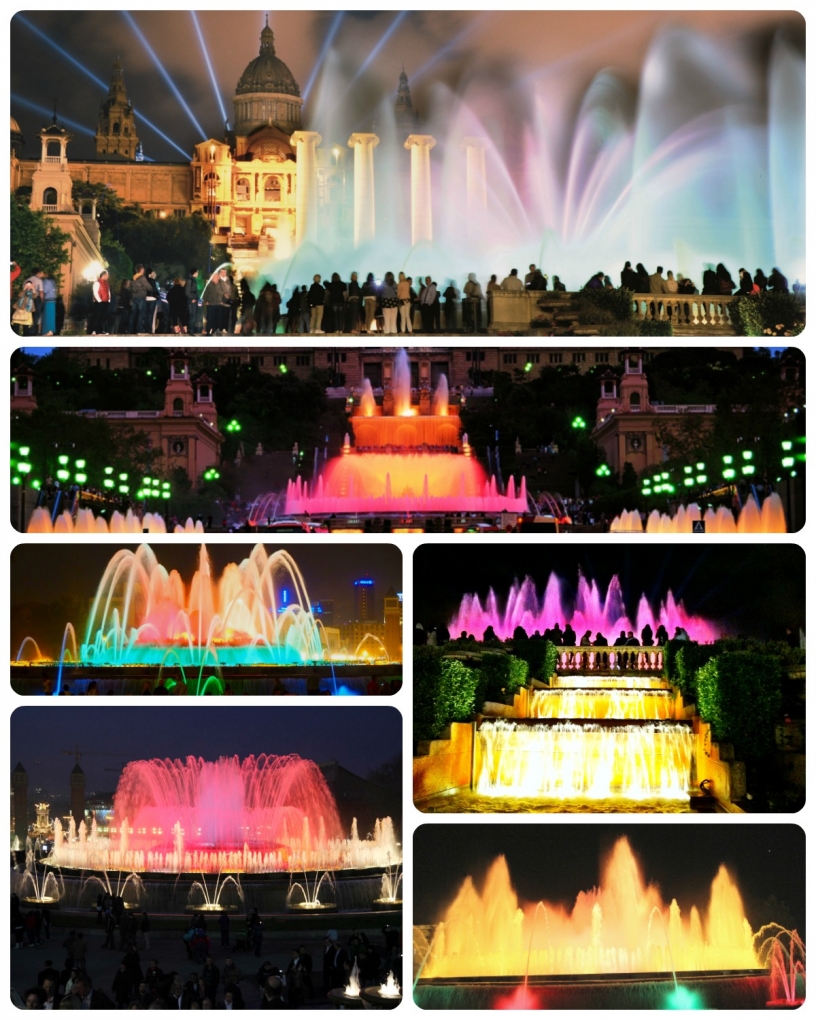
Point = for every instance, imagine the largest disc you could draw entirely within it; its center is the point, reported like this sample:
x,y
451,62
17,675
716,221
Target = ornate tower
x,y
404,111
51,184
19,793
116,130
77,794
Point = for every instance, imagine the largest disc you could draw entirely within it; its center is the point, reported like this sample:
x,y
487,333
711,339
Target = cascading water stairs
x,y
606,736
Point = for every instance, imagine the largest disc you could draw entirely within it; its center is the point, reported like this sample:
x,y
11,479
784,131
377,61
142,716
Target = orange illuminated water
x,y
751,520
624,925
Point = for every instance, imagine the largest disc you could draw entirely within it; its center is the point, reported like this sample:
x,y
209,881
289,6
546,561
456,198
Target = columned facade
x,y
421,195
364,198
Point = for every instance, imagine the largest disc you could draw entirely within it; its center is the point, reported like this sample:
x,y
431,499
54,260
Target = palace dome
x,y
267,73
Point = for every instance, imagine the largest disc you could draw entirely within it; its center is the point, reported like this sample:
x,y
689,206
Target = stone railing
x,y
604,657
50,208
692,310
513,311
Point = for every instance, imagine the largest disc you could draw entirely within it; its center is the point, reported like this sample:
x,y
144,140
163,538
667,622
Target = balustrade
x,y
594,658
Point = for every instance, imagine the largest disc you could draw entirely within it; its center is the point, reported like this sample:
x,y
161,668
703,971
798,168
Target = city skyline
x,y
368,738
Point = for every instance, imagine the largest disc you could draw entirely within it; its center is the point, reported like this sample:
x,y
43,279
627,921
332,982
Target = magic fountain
x,y
767,520
406,458
591,172
144,615
85,522
265,814
647,951
605,729
589,610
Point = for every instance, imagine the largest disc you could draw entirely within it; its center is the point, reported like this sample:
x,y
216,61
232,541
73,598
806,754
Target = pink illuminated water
x,y
226,803
404,482
590,610
260,814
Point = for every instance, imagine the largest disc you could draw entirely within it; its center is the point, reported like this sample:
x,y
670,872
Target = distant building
x,y
365,599
628,425
19,804
185,430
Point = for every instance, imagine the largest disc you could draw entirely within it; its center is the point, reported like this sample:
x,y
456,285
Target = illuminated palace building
x,y
265,187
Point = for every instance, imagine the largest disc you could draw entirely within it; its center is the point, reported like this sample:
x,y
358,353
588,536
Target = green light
x,y
140,494
578,422
63,459
80,477
165,485
124,488
123,476
728,459
63,475
687,470
684,998
688,481
702,479
109,483
149,372
602,471
786,445
748,469
25,451
700,466
729,473
23,467
283,369
233,426
528,367
155,492
747,455
146,481
36,483
80,464
15,480
788,462
108,470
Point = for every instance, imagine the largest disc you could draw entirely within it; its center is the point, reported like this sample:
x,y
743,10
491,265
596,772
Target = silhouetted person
x,y
777,282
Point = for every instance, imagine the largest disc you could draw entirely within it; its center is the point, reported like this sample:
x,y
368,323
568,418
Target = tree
x,y
171,246
36,242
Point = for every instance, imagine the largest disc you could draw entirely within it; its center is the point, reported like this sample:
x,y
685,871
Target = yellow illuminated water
x,y
622,926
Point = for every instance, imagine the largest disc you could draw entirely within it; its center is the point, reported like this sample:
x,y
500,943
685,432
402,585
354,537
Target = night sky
x,y
360,739
556,862
74,571
756,589
493,56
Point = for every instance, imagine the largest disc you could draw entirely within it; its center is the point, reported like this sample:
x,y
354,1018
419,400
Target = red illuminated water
x,y
589,610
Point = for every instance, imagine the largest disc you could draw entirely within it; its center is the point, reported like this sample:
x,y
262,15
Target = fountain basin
x,y
340,999
312,908
378,999
737,989
383,904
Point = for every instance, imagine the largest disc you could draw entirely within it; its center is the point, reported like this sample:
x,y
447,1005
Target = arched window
x,y
272,189
178,406
50,196
634,401
242,189
127,130
116,128
203,392
53,149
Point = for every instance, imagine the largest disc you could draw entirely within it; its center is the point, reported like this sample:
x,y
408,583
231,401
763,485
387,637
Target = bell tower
x,y
116,130
634,386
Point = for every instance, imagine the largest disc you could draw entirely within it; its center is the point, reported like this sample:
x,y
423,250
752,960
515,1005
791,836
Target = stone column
x,y
421,212
476,178
306,203
364,206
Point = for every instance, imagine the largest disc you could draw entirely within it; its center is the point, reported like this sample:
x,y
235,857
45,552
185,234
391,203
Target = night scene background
x,y
556,862
366,742
754,590
73,573
69,54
